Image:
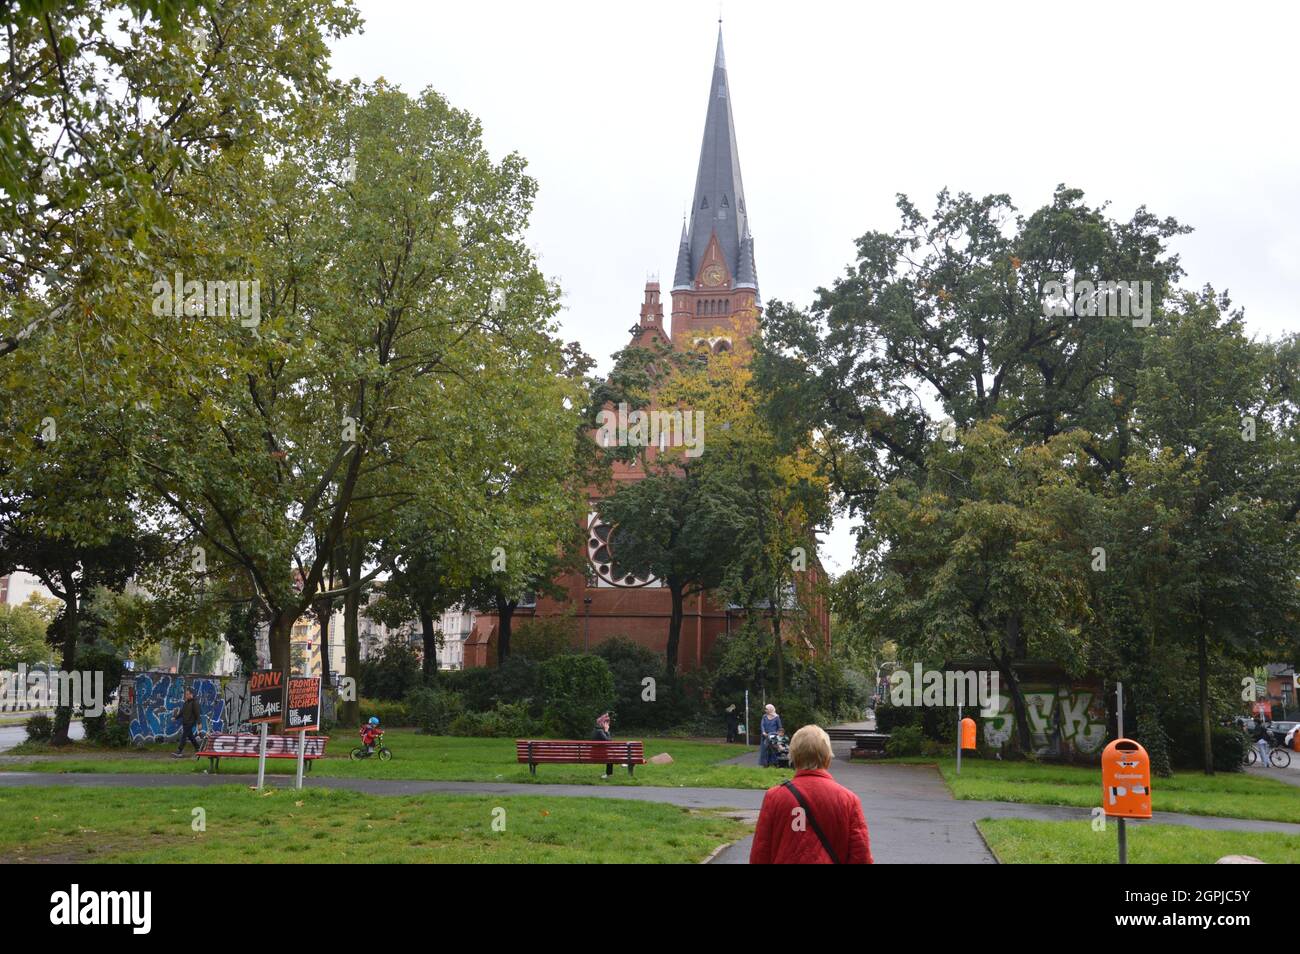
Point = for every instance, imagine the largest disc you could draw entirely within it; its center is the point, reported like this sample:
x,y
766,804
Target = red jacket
x,y
837,810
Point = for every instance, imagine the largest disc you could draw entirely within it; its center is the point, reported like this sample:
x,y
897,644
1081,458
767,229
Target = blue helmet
x,y
374,720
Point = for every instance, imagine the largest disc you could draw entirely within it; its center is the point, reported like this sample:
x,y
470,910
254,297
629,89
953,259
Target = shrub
x,y
40,728
117,735
1227,747
513,721
795,713
94,727
391,673
471,724
575,690
516,681
477,687
889,718
390,713
629,664
542,638
434,710
905,740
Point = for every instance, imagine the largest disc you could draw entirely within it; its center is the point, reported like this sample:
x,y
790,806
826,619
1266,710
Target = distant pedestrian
x,y
770,725
811,819
733,724
189,716
602,735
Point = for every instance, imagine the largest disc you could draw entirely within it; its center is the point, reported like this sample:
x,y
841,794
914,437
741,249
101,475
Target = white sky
x,y
1189,108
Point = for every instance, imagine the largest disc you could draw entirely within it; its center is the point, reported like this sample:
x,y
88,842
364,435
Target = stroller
x,y
778,747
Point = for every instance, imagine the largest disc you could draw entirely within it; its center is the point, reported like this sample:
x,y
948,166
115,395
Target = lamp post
x,y
586,624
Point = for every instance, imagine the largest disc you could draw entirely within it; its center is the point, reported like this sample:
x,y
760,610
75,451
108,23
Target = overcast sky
x,y
1188,108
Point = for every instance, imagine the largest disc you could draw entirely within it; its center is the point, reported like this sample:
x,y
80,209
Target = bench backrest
x,y
276,745
578,750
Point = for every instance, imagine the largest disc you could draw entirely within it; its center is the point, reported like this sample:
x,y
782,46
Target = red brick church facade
x,y
715,305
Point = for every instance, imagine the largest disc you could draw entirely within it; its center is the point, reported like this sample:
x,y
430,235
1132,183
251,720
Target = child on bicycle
x,y
370,733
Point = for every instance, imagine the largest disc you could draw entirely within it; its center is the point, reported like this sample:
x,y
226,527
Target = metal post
x,y
747,717
261,759
1119,727
302,752
959,740
586,625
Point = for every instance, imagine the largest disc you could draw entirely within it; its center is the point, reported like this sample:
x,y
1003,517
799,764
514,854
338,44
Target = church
x,y
715,306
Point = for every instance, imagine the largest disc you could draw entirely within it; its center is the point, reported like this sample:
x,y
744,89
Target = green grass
x,y
1228,795
1070,842
437,758
318,825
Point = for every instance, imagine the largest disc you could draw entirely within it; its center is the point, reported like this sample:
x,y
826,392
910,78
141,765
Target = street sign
x,y
304,703
266,696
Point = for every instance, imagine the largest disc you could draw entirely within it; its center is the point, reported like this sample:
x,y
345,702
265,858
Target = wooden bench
x,y
538,751
247,745
869,745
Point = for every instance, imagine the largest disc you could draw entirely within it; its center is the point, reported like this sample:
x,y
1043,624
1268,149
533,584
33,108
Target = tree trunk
x,y
505,624
780,655
1203,678
71,626
351,713
322,610
278,639
674,631
430,646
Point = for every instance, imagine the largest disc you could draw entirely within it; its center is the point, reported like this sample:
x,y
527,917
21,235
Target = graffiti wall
x,y
1064,720
156,699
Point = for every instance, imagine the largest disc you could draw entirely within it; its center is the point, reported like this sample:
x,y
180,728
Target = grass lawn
x,y
1069,843
1228,795
317,825
440,758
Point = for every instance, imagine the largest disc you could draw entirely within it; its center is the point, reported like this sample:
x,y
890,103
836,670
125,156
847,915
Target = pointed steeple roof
x,y
719,202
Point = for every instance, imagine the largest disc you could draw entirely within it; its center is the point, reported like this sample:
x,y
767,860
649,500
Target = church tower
x,y
715,283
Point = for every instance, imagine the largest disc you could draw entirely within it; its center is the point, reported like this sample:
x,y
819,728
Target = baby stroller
x,y
778,747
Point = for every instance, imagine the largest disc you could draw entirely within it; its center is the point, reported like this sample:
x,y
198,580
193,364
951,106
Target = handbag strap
x,y
817,829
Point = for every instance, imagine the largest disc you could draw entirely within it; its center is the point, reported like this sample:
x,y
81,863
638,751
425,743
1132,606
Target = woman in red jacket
x,y
812,819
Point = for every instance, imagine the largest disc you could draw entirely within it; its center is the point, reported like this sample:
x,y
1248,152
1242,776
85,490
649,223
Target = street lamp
x,y
586,625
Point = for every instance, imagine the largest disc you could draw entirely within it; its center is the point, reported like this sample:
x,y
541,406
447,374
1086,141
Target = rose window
x,y
601,554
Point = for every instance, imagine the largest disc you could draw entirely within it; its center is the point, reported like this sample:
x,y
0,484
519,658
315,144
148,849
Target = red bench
x,y
537,751
247,745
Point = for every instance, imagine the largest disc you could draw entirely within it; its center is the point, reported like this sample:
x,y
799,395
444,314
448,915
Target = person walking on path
x,y
189,716
771,725
811,819
733,724
602,735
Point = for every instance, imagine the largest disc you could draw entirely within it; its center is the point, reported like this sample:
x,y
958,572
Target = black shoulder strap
x,y
817,829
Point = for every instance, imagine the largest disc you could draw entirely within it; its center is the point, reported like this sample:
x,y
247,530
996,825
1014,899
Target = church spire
x,y
718,206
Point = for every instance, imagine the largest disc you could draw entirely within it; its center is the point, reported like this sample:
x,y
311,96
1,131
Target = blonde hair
x,y
810,748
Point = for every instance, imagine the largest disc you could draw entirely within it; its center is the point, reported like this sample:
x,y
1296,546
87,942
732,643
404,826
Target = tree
x,y
114,108
22,636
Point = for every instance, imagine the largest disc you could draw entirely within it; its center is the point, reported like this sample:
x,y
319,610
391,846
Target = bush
x,y
795,713
40,728
477,687
575,689
542,638
391,673
506,721
471,725
516,681
434,710
1227,747
390,713
905,740
94,727
890,718
629,664
117,735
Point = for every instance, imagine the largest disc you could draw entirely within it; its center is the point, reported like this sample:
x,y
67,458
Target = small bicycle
x,y
381,752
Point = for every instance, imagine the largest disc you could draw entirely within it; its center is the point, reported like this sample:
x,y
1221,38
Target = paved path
x,y
11,735
911,816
